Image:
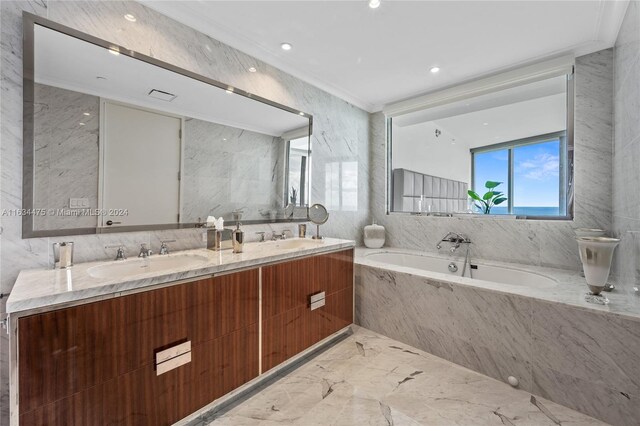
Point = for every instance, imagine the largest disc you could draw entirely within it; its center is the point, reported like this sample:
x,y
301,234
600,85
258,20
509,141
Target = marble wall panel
x,y
585,359
66,154
482,330
626,173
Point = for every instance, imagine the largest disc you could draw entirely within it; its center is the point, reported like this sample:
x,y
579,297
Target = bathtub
x,y
507,321
511,276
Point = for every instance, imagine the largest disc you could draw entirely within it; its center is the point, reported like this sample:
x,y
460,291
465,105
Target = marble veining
x,y
65,154
560,347
44,289
370,379
626,174
570,290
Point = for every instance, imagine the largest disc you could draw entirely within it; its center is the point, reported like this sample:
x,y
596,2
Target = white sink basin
x,y
126,268
297,244
292,244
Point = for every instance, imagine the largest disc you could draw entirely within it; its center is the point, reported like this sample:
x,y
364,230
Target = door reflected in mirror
x,y
507,152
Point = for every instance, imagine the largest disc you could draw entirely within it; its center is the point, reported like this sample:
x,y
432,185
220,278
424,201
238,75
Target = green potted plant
x,y
489,199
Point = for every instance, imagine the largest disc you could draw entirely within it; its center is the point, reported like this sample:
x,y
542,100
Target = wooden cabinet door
x,y
95,363
289,326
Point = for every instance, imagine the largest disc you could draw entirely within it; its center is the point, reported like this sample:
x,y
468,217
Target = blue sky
x,y
536,173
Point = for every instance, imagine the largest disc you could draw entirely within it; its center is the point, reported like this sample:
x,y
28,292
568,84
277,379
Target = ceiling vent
x,y
163,96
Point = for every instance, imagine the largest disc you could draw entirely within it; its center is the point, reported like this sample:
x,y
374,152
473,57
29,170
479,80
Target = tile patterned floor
x,y
368,379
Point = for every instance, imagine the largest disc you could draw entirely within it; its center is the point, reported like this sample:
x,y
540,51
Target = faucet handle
x,y
120,254
164,249
144,251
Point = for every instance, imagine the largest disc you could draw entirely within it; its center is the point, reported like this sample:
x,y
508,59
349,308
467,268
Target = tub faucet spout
x,y
454,239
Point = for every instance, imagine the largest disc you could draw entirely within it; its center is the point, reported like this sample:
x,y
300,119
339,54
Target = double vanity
x,y
155,340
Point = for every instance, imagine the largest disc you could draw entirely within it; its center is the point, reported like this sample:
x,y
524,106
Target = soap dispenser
x,y
237,238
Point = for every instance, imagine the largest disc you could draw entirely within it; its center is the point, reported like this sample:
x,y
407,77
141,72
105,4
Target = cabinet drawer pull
x,y
173,352
317,300
172,363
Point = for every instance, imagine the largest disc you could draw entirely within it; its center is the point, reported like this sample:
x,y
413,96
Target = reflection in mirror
x,y
508,152
120,143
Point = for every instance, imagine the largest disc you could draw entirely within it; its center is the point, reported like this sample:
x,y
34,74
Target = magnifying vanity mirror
x,y
116,141
318,215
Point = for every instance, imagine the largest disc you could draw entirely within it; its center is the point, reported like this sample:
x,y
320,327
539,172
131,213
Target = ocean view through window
x,y
501,149
531,174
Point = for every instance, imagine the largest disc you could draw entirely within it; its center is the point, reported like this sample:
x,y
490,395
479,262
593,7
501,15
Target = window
x,y
297,166
341,185
533,173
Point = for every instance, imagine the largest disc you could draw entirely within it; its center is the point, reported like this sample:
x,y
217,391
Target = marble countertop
x,y
570,290
41,289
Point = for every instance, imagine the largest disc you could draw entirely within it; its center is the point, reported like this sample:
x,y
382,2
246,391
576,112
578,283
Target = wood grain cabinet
x,y
289,325
95,364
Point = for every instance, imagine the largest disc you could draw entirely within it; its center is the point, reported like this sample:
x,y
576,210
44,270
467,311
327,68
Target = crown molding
x,y
610,19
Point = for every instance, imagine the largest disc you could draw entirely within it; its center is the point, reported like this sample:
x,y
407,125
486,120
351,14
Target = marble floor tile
x,y
369,379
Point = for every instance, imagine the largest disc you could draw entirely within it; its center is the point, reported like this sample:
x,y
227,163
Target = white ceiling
x,y
372,57
73,64
519,112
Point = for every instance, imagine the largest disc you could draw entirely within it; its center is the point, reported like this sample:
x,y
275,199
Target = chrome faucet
x,y
164,248
120,255
455,239
144,251
282,236
275,237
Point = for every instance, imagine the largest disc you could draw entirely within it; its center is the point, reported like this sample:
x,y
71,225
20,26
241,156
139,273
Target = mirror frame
x,y
570,173
29,22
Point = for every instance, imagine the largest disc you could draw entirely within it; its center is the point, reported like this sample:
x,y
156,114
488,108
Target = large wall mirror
x,y
506,152
118,141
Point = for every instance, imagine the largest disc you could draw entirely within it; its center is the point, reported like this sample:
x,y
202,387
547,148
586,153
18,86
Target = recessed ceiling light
x,y
434,69
301,113
129,17
86,113
485,124
114,50
286,46
252,69
82,124
229,90
374,4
